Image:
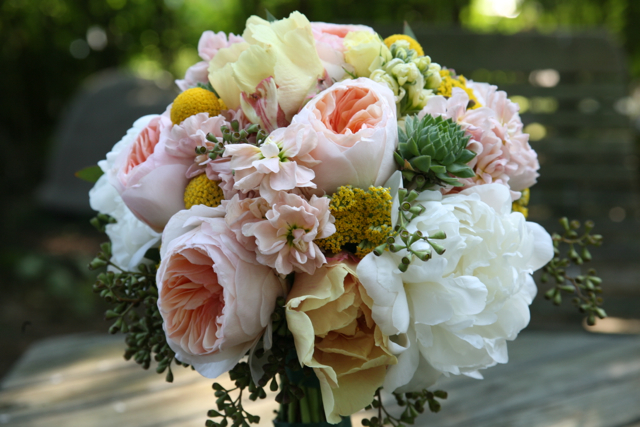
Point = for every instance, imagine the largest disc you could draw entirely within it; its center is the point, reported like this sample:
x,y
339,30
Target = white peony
x,y
454,313
130,237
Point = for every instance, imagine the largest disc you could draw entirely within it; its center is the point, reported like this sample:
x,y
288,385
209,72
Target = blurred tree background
x,y
49,47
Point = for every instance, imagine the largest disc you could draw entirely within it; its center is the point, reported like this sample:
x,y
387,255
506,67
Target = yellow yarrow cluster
x,y
193,101
521,204
363,219
413,44
202,191
450,81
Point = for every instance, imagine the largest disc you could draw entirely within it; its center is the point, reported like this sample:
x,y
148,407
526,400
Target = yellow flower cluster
x,y
193,101
202,191
450,81
413,44
363,219
521,204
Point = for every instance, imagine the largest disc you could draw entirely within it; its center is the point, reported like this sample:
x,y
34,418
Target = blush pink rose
x,y
152,185
330,47
150,181
357,131
215,298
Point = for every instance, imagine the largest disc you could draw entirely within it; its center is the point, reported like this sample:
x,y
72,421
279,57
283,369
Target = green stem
x,y
292,411
281,412
314,404
304,406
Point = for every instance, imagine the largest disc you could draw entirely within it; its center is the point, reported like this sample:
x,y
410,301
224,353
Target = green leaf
x,y
466,156
460,170
90,174
406,29
412,148
422,163
438,169
398,158
270,17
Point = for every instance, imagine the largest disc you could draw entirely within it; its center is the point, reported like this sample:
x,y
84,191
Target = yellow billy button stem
x,y
193,101
413,44
202,191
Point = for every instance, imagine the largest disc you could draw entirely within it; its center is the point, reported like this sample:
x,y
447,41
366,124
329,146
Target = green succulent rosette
x,y
432,152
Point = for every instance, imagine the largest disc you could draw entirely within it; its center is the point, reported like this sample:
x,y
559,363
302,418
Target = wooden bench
x,y
560,379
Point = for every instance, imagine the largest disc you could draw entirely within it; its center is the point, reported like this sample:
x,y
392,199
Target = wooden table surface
x,y
553,379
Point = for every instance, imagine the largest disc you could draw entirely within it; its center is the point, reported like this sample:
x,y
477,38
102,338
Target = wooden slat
x,y
551,379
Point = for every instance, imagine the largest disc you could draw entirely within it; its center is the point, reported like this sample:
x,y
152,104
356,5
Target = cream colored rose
x,y
329,315
365,51
284,50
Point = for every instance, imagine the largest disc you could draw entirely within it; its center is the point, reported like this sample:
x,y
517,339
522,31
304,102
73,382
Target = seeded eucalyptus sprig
x,y
586,288
280,368
409,210
133,296
251,134
414,404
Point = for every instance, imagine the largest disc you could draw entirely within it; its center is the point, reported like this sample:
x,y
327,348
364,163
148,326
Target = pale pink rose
x,y
330,47
215,298
357,132
285,238
150,181
208,46
281,163
503,155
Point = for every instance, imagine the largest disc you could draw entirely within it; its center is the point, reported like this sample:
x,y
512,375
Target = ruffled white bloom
x,y
130,237
454,313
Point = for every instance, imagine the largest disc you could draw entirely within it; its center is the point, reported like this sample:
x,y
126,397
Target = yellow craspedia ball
x,y
521,205
202,191
193,101
413,44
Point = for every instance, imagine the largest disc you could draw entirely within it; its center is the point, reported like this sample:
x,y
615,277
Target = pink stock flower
x,y
281,163
503,154
241,213
285,238
183,139
208,46
215,298
330,47
357,129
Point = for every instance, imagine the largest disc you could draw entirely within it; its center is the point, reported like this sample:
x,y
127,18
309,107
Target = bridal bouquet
x,y
326,214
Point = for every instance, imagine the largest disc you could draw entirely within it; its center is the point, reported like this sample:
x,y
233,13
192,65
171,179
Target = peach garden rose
x,y
215,298
357,132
